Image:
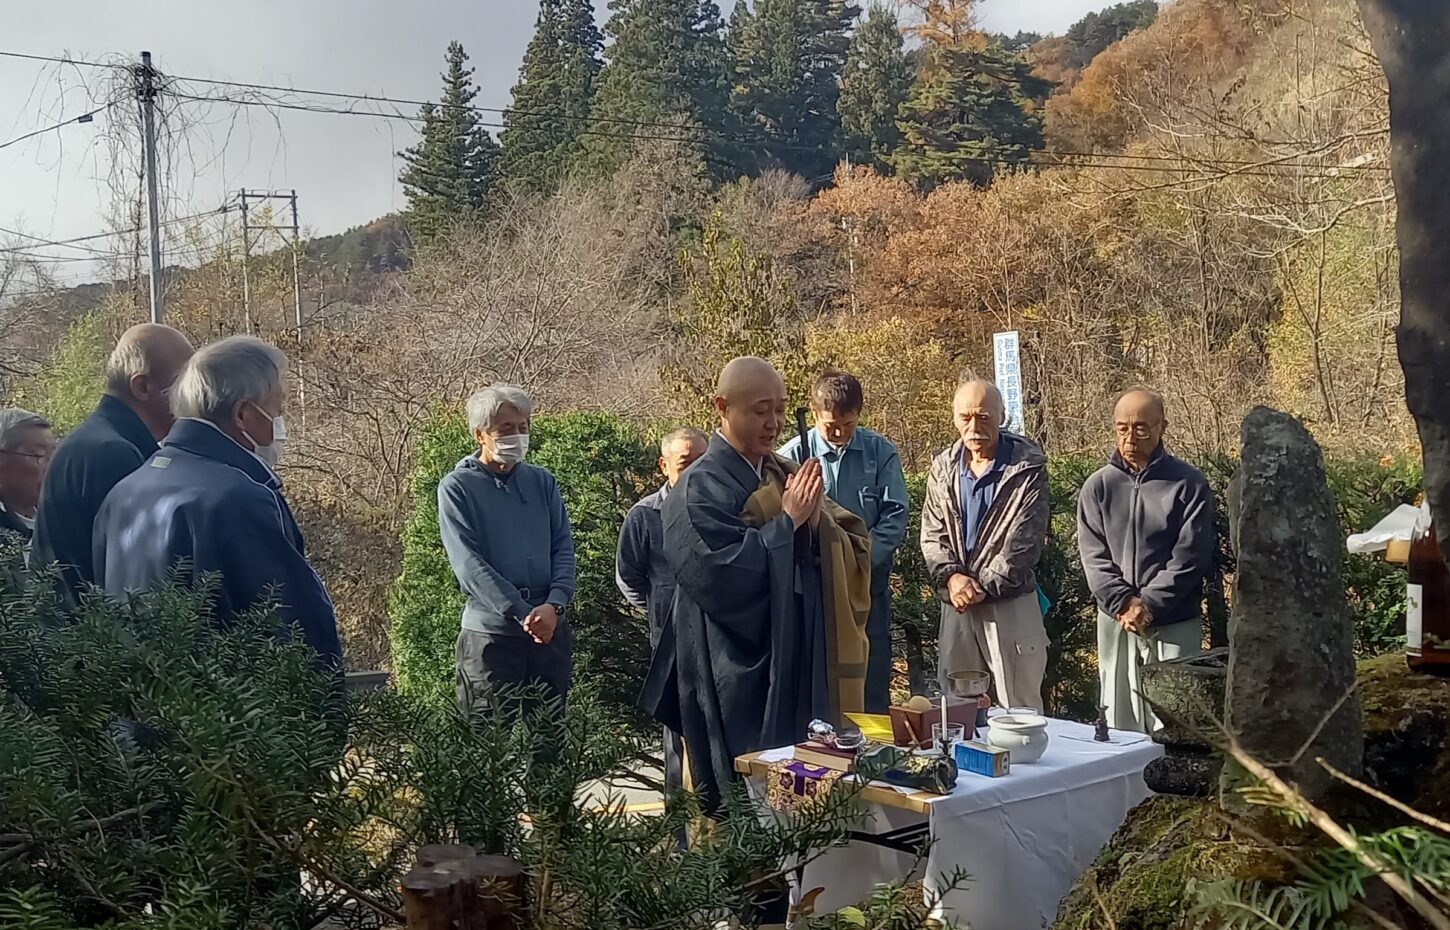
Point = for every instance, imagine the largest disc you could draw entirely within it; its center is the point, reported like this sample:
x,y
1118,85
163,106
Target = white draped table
x,y
1022,839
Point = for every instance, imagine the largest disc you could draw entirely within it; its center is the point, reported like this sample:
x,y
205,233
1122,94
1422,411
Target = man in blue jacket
x,y
862,473
133,416
1145,536
209,496
506,532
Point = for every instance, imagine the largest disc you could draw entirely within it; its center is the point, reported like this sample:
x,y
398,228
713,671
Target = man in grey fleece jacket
x,y
506,532
1145,536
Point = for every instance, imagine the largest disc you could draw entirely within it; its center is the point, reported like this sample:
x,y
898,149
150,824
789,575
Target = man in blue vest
x,y
862,473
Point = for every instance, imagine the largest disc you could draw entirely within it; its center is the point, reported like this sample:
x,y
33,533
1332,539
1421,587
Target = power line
x,y
64,61
558,115
224,208
83,118
1266,170
401,101
1267,167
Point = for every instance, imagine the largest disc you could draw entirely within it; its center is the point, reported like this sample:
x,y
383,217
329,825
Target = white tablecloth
x,y
1023,839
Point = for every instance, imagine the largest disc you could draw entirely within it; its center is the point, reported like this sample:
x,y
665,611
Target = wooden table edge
x,y
919,802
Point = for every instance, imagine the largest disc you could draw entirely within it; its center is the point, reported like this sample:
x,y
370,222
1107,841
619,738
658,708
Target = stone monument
x,y
1291,664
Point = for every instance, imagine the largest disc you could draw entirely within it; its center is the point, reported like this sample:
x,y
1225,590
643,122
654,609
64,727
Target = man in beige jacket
x,y
983,525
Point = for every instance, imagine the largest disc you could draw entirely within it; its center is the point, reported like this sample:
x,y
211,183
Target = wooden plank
x,y
919,802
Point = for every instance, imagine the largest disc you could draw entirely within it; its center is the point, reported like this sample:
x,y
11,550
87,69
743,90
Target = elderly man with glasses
x,y
26,448
1145,535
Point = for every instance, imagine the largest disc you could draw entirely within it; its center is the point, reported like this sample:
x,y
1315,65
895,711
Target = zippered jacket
x,y
1147,534
1013,530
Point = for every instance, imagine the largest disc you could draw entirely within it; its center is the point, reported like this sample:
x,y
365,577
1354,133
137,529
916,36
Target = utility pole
x,y
246,261
296,278
248,228
146,94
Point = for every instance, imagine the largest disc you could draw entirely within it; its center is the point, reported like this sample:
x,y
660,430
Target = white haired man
x,y
134,414
506,532
26,448
210,500
643,573
983,525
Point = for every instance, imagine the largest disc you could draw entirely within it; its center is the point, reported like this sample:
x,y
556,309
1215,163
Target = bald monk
x,y
764,636
133,416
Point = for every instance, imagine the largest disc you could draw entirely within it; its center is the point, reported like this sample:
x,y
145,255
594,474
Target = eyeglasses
x,y
37,456
1136,430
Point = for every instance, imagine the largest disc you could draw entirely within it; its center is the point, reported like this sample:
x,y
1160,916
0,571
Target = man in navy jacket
x,y
133,415
642,572
210,496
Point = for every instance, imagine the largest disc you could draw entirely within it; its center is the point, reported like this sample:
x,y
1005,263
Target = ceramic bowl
x,y
1023,735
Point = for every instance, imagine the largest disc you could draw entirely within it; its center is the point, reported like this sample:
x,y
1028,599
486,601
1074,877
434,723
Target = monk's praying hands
x,y
803,490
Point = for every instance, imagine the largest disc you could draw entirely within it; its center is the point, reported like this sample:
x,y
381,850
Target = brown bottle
x,y
1427,603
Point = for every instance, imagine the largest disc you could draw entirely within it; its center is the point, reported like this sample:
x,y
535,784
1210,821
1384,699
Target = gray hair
x,y
13,421
127,360
971,377
484,405
227,373
682,434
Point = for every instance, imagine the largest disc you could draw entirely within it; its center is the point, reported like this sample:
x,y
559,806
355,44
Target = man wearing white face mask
x,y
506,532
210,496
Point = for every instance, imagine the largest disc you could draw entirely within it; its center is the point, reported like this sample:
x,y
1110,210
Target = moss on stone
x,y
1145,876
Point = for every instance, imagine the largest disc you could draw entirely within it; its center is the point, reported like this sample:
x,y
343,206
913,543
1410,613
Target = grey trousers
x,y
1120,656
1006,638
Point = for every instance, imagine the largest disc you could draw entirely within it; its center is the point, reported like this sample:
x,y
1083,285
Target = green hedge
x,y
603,464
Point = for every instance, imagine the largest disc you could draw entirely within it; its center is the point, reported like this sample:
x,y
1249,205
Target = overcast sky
x,y
343,167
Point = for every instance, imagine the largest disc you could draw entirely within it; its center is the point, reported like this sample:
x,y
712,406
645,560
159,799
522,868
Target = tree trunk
x,y
1412,40
454,888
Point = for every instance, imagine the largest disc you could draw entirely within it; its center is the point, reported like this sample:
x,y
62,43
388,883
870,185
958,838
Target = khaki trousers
x,y
1006,638
1122,654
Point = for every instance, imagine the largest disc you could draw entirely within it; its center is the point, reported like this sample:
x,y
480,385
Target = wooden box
x,y
913,727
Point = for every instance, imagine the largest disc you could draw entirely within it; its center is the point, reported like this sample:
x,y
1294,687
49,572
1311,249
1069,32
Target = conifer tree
x,y
449,172
541,141
874,85
665,75
788,57
972,111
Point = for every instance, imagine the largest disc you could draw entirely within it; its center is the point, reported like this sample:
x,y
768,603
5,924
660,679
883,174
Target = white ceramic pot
x,y
1024,736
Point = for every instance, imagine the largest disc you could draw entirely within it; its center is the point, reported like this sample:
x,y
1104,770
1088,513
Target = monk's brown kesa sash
x,y
845,567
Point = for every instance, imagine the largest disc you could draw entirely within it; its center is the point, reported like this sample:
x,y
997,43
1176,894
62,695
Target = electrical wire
x,y
1269,167
1257,169
64,61
83,118
224,208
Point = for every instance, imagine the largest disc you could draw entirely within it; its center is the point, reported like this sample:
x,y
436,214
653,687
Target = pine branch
x,y
1296,802
28,842
1379,795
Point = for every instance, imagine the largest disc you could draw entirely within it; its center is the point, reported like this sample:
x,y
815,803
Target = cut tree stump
x,y
455,888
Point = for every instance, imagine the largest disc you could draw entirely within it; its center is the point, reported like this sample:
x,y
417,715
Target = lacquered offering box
x,y
913,727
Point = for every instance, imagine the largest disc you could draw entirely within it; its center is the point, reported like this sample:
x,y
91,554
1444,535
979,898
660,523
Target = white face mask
x,y
510,450
270,454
